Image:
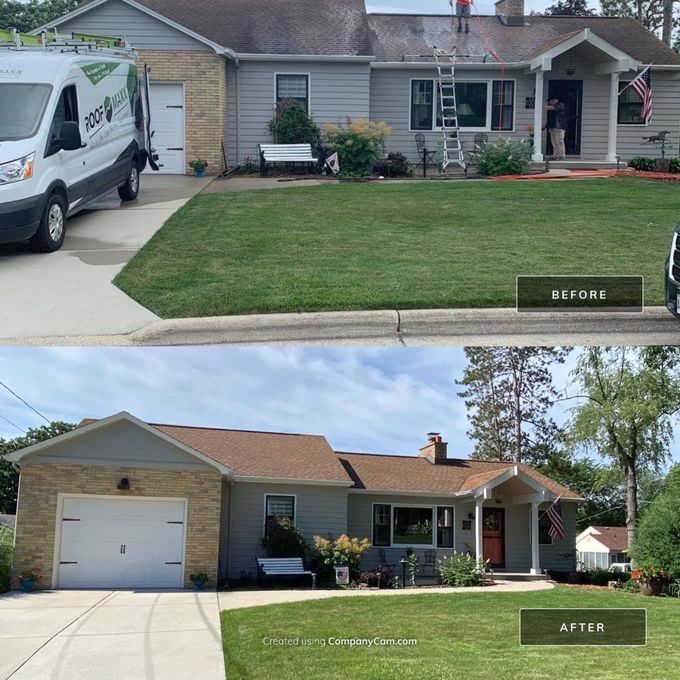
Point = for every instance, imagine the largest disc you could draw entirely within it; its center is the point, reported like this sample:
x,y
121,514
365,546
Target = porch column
x,y
537,156
535,548
613,116
479,540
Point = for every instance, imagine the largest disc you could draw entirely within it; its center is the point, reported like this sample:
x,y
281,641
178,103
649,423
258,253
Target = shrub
x,y
6,554
378,577
412,568
291,124
601,577
674,165
657,540
397,167
461,570
329,553
503,157
249,167
283,539
358,144
629,586
642,163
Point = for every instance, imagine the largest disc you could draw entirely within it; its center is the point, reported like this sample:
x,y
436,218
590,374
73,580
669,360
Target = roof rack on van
x,y
80,43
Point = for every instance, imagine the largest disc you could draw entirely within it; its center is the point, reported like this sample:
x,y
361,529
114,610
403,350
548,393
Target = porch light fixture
x,y
124,484
570,69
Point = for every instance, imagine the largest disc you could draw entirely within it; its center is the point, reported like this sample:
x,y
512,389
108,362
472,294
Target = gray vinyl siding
x,y
142,31
665,116
560,556
391,102
319,510
336,90
123,444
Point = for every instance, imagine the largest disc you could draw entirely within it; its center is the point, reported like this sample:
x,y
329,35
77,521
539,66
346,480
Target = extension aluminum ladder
x,y
446,83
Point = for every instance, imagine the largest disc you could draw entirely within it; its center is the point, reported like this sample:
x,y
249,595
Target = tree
x,y
575,8
25,16
292,124
508,393
626,415
9,477
654,15
658,538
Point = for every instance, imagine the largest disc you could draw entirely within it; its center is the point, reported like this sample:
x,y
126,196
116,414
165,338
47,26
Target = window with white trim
x,y
293,86
381,524
444,527
544,538
412,526
278,506
630,107
482,105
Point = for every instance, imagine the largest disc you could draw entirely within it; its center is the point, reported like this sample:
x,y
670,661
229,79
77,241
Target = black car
x,y
673,275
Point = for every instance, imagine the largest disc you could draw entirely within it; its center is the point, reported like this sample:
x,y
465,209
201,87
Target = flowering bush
x,y
503,157
648,573
29,575
358,144
462,570
343,550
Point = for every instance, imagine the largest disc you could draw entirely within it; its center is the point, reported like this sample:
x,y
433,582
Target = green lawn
x,y
469,636
414,245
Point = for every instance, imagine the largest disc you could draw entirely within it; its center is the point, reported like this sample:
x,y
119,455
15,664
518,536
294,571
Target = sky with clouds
x,y
442,6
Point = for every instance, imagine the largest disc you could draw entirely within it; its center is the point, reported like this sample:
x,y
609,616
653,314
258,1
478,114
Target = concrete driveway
x,y
70,292
111,635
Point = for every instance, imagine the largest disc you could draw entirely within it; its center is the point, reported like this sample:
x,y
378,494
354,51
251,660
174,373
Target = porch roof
x,y
414,474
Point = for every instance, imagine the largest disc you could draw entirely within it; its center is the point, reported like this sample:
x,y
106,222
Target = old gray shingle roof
x,y
394,35
324,27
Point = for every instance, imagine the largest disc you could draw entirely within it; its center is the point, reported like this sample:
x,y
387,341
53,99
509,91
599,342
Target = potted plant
x,y
199,580
650,578
28,578
198,166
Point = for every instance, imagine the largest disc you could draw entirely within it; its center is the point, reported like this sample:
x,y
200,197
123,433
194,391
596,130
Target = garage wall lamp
x,y
124,484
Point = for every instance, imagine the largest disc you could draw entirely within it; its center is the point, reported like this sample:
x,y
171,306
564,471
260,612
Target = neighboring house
x,y
7,521
219,67
600,547
121,503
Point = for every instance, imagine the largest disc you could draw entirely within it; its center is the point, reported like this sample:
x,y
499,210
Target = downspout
x,y
237,63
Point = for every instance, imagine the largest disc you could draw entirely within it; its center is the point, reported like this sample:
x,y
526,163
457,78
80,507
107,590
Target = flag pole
x,y
639,75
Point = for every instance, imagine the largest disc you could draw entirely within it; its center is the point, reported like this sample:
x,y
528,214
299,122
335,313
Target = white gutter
x,y
252,56
292,480
460,64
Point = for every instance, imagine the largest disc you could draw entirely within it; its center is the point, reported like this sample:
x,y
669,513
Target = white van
x,y
73,125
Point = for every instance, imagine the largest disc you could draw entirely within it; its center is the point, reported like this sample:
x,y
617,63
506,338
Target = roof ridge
x,y
236,429
415,457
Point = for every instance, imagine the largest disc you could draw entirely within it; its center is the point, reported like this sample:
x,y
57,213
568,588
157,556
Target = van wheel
x,y
50,234
129,190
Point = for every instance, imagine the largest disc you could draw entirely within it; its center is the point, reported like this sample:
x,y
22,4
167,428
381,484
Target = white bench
x,y
283,566
285,153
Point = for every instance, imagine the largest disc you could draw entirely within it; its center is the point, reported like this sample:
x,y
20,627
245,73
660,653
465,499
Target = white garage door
x,y
121,543
167,120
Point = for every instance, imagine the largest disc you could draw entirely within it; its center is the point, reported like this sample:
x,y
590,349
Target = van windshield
x,y
22,106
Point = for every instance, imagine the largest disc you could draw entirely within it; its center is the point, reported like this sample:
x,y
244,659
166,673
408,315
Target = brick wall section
x,y
36,515
205,101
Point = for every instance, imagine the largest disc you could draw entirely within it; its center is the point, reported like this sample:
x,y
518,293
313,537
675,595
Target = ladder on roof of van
x,y
78,42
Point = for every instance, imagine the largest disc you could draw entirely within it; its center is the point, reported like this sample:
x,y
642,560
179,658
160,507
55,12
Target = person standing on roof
x,y
462,12
556,126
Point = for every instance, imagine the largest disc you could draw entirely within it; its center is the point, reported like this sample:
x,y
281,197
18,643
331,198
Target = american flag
x,y
643,86
554,513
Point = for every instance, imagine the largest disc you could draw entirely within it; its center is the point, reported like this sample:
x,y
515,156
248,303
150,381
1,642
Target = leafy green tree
x,y
292,124
25,16
655,15
9,477
626,414
657,541
575,8
508,394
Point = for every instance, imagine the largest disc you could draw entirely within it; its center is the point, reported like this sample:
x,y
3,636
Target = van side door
x,y
69,166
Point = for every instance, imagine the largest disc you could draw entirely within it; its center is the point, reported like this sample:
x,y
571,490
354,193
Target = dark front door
x,y
571,93
493,536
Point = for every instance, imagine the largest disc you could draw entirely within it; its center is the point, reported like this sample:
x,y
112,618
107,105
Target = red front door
x,y
493,535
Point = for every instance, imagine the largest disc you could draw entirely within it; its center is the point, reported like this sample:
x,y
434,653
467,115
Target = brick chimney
x,y
510,12
435,451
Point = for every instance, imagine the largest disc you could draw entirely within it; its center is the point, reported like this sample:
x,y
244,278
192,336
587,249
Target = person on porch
x,y
463,12
556,126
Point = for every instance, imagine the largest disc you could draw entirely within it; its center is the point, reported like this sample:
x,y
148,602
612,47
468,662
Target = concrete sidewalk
x,y
111,635
243,599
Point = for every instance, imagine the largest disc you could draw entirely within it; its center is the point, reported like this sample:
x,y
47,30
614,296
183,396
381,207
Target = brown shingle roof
x,y
274,26
614,538
395,35
412,473
263,454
